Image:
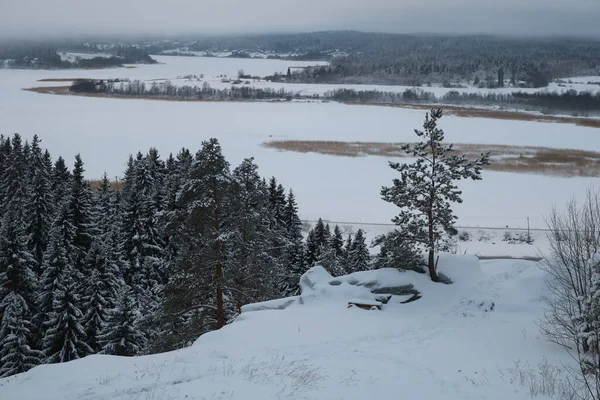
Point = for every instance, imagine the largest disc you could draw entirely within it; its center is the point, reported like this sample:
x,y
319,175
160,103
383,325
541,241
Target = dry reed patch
x,y
519,159
49,89
466,112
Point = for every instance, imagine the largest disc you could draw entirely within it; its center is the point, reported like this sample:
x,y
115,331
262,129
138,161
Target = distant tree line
x,y
569,102
173,253
47,57
414,59
169,91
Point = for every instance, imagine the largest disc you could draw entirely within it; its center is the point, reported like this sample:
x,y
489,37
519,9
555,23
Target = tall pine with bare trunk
x,y
426,188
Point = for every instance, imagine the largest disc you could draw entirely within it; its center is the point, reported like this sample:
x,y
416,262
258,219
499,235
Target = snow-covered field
x,y
106,131
458,341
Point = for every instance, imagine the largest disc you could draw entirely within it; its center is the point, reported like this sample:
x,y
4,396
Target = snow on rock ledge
x,y
277,304
386,284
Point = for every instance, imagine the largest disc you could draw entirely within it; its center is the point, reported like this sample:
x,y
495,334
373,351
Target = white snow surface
x,y
451,344
106,131
69,56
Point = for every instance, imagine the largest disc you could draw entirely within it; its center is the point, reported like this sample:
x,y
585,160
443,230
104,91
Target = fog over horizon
x,y
35,19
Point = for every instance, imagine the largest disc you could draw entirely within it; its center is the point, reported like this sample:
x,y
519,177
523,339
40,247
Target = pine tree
x,y
120,335
198,226
398,252
426,188
17,300
358,256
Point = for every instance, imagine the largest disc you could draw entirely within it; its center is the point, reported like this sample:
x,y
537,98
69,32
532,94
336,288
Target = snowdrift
x,y
450,344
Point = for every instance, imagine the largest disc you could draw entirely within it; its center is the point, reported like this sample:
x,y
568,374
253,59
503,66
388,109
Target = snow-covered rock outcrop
x,y
377,286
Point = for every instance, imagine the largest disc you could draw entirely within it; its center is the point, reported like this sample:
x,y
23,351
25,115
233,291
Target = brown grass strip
x,y
50,90
64,90
467,112
63,79
519,159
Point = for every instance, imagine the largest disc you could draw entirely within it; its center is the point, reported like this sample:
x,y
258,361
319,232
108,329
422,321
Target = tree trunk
x,y
219,272
431,265
219,284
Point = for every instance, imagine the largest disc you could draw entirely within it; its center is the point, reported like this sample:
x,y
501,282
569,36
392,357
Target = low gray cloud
x,y
34,18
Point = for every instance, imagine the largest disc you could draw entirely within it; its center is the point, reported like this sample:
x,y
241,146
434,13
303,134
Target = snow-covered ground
x,y
106,131
69,56
458,341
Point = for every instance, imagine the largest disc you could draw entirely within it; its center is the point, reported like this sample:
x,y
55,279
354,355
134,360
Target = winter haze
x,y
71,18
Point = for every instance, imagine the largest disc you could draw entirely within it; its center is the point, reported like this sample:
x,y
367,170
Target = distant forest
x,y
382,58
42,56
359,57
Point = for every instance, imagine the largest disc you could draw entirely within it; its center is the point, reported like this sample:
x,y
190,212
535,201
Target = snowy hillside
x,y
458,341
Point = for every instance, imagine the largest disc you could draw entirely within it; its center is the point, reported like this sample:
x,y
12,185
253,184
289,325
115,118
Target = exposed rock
x,y
396,290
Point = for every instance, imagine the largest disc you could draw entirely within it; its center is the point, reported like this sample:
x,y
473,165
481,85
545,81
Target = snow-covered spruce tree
x,y
278,224
293,263
199,225
177,169
277,200
358,258
60,180
17,300
337,242
252,269
64,336
426,188
80,209
14,180
120,335
59,257
39,210
313,250
293,225
294,267
100,293
332,253
16,343
142,241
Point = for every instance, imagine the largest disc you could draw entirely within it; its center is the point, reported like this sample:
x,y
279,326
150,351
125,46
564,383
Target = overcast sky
x,y
72,18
